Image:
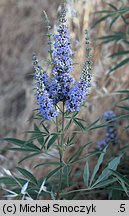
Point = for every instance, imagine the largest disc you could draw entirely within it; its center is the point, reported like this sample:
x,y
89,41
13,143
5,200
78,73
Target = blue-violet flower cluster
x,y
46,106
62,86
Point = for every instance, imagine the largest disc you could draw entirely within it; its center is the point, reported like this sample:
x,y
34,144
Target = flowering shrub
x,y
60,98
61,87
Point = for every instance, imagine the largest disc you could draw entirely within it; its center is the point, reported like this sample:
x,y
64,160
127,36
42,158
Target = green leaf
x,y
124,99
70,141
97,166
103,11
40,138
49,164
18,149
120,177
91,125
123,10
113,21
53,172
112,6
124,91
29,156
120,53
79,119
105,183
32,146
75,114
85,157
25,145
86,174
77,153
52,140
8,181
66,174
14,141
99,126
122,181
107,171
28,175
124,107
46,140
127,127
79,124
101,20
121,64
117,36
68,125
121,116
124,20
45,128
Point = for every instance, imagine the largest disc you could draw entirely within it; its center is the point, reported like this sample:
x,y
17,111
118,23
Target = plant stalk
x,y
60,145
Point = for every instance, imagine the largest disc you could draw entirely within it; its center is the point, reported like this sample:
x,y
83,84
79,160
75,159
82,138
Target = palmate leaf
x,y
106,173
27,146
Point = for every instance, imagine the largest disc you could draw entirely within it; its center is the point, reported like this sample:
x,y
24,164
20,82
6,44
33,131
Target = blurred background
x,y
22,32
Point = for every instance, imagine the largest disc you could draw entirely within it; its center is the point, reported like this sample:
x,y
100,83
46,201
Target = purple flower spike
x,y
46,106
62,61
107,116
79,91
40,73
111,135
101,144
